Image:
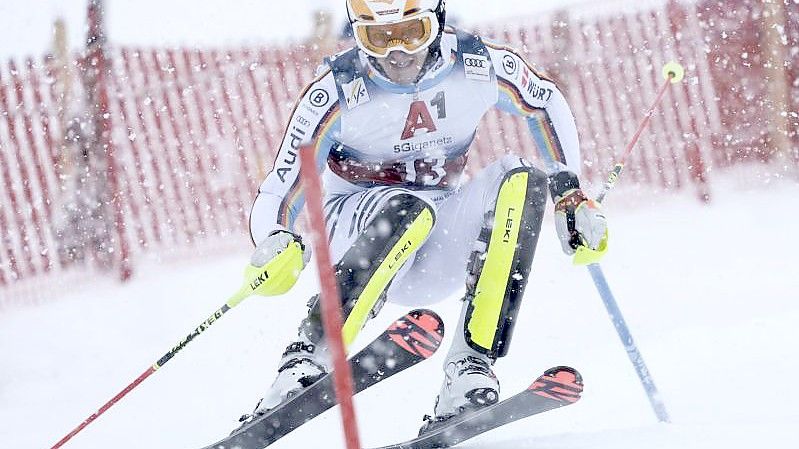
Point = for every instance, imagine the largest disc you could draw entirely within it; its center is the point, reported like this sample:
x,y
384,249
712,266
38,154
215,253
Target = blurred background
x,y
139,128
28,31
134,134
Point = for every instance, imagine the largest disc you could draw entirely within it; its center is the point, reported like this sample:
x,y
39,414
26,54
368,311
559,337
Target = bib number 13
x,y
427,172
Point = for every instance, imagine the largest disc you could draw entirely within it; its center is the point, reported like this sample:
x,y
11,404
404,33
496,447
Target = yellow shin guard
x,y
500,272
368,267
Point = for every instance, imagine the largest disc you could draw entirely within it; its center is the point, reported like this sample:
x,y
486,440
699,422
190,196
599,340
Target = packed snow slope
x,y
710,293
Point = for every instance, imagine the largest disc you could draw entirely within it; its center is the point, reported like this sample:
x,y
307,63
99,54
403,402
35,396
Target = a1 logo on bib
x,y
355,93
477,67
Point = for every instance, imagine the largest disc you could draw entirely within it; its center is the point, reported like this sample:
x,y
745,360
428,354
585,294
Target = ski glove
x,y
277,263
578,220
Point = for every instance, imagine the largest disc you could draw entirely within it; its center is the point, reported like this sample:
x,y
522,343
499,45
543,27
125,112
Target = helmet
x,y
381,26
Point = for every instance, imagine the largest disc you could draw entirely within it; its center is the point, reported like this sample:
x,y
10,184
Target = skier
x,y
393,120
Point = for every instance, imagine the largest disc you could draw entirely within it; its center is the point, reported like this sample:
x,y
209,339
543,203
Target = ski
x,y
558,387
408,341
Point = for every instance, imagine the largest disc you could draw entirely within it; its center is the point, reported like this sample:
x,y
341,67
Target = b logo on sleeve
x,y
510,65
319,98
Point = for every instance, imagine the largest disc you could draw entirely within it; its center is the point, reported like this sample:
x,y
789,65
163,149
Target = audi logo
x,y
471,62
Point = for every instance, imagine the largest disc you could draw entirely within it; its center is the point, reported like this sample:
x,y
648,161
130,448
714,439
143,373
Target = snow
x,y
708,291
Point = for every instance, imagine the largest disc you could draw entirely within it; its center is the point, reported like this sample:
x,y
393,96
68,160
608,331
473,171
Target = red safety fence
x,y
190,133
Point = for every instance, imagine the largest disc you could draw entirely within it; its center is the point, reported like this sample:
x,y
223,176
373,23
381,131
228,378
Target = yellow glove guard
x,y
587,256
278,276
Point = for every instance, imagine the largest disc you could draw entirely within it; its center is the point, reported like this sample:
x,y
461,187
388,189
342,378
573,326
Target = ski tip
x,y
419,332
562,383
565,372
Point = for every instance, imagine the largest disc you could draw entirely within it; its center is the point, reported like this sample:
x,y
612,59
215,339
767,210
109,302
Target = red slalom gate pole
x,y
331,302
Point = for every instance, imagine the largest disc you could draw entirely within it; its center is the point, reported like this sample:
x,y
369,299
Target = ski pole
x,y
655,400
231,303
254,283
674,73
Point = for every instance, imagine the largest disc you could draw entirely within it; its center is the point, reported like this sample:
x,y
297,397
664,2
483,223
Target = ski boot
x,y
303,364
469,385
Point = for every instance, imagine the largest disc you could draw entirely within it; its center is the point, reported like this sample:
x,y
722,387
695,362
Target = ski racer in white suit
x,y
391,122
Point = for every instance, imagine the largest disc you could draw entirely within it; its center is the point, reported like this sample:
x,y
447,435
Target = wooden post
x,y
776,63
63,80
98,72
678,16
322,42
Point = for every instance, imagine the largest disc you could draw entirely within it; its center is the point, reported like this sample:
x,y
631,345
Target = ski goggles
x,y
411,35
